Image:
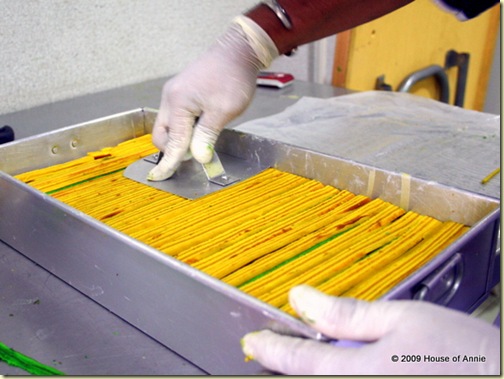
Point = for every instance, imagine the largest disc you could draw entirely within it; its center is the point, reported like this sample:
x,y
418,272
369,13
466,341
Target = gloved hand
x,y
405,337
210,92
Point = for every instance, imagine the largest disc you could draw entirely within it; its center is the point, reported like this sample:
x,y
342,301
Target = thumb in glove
x,y
402,338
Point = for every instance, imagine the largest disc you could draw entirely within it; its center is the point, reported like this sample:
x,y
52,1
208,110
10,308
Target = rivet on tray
x,y
74,143
55,149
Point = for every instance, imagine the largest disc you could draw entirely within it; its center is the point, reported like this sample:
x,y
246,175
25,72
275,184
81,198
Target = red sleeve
x,y
316,19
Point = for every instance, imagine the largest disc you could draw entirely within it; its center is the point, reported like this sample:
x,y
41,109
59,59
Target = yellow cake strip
x,y
117,195
378,284
236,219
341,259
332,226
234,198
107,160
289,225
368,266
373,211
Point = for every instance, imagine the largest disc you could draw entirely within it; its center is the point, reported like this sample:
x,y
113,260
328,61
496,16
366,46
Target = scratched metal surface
x,y
44,318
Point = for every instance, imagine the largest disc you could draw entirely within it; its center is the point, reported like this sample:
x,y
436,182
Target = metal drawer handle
x,y
435,71
443,283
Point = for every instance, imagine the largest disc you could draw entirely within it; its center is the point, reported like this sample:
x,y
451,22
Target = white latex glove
x,y
408,330
212,91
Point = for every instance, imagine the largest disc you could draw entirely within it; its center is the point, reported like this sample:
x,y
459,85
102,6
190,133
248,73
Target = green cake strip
x,y
14,358
83,181
307,251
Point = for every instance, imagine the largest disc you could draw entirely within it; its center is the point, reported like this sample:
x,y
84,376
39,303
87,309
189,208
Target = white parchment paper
x,y
395,131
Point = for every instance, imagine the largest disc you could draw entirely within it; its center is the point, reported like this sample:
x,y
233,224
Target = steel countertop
x,y
45,318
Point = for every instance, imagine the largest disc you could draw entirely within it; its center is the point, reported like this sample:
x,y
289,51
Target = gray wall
x,y
58,49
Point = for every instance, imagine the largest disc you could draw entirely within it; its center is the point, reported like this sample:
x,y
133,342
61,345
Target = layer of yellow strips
x,y
264,234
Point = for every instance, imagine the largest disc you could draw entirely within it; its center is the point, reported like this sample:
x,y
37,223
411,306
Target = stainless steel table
x,y
46,319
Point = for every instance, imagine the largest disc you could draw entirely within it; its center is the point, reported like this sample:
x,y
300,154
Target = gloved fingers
x,y
203,142
187,156
164,169
173,139
344,318
160,130
214,119
298,356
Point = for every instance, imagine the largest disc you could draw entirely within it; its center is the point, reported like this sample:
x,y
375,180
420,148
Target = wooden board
x,y
413,38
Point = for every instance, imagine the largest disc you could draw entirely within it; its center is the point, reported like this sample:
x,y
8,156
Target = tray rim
x,y
199,276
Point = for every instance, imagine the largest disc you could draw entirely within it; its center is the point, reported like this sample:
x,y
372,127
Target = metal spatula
x,y
192,179
215,172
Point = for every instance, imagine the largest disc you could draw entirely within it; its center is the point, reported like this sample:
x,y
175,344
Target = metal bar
x,y
434,71
460,60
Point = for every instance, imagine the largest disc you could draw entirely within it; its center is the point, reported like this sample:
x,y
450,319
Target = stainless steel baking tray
x,y
198,316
